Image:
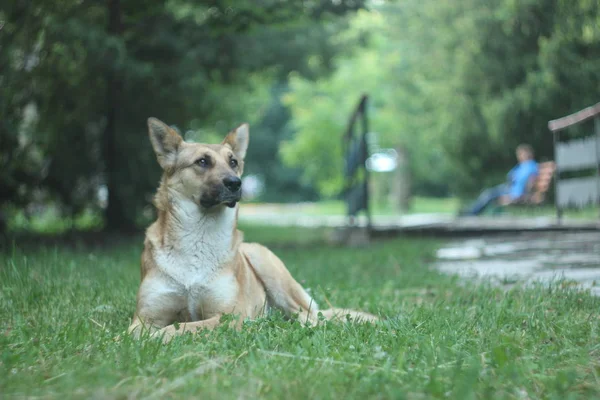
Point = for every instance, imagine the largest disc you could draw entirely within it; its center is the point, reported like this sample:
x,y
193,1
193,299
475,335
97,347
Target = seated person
x,y
516,186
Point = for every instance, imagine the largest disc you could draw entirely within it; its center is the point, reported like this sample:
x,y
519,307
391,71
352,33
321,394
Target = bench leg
x,y
559,215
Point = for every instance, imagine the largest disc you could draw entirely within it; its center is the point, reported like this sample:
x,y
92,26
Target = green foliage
x,y
498,72
64,311
93,72
282,184
457,84
321,109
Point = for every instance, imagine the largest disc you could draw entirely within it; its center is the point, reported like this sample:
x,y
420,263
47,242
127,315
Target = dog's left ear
x,y
165,142
238,139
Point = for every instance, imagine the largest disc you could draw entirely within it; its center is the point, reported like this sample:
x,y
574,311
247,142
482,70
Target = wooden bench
x,y
538,186
537,189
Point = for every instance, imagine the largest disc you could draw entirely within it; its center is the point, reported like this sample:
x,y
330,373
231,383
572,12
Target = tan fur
x,y
195,266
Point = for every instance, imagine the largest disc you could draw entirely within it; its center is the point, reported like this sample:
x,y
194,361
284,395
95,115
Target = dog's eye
x,y
233,162
203,162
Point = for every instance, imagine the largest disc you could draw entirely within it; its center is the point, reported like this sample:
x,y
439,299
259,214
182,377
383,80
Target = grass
x,y
63,308
589,213
51,222
419,205
445,205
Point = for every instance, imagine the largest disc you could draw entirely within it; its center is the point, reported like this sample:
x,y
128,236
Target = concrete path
x,y
283,216
526,257
302,214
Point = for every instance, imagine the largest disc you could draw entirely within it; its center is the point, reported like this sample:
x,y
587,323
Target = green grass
x,y
590,213
448,205
62,309
419,205
52,222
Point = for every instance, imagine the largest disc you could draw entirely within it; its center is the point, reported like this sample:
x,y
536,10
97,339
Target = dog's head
x,y
207,174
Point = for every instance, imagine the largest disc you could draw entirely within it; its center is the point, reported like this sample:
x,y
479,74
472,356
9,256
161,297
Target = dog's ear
x,y
165,142
238,139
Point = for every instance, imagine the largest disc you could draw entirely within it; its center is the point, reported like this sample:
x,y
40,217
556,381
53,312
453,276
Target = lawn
x,y
419,205
442,205
64,309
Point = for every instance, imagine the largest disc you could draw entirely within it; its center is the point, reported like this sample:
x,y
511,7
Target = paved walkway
x,y
294,217
434,223
526,257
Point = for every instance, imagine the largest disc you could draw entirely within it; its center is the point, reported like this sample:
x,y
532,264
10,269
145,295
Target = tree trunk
x,y
402,192
116,217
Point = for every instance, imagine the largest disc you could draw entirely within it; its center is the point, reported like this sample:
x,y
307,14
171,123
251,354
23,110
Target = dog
x,y
195,266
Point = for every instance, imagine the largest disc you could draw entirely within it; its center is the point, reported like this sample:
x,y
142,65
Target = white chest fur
x,y
200,244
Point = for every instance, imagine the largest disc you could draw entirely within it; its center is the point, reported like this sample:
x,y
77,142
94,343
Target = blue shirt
x,y
519,177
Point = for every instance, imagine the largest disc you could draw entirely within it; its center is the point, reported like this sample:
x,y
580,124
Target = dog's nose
x,y
232,183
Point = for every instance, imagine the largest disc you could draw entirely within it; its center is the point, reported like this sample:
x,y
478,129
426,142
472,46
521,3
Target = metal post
x,y
556,180
348,179
597,129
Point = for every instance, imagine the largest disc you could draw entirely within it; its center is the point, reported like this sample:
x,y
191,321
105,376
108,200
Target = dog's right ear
x,y
165,142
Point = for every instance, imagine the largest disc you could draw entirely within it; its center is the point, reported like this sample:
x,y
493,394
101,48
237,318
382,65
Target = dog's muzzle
x,y
229,199
229,194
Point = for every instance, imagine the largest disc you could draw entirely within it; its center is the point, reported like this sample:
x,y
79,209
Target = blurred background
x,y
453,88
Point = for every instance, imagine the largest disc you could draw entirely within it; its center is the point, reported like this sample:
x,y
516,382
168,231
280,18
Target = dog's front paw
x,y
165,334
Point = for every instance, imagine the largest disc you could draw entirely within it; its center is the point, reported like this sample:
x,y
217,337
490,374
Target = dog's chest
x,y
198,247
192,267
195,260
199,277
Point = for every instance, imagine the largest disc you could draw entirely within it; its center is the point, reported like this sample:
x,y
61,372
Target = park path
x,y
302,214
308,215
526,258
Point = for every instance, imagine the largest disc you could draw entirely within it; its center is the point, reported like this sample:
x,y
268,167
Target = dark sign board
x,y
356,188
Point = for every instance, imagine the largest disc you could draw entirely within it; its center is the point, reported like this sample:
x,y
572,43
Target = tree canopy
x,y
80,78
458,84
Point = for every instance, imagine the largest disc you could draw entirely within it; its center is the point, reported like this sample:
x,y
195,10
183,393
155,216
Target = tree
x,y
281,183
96,71
497,72
458,84
321,109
